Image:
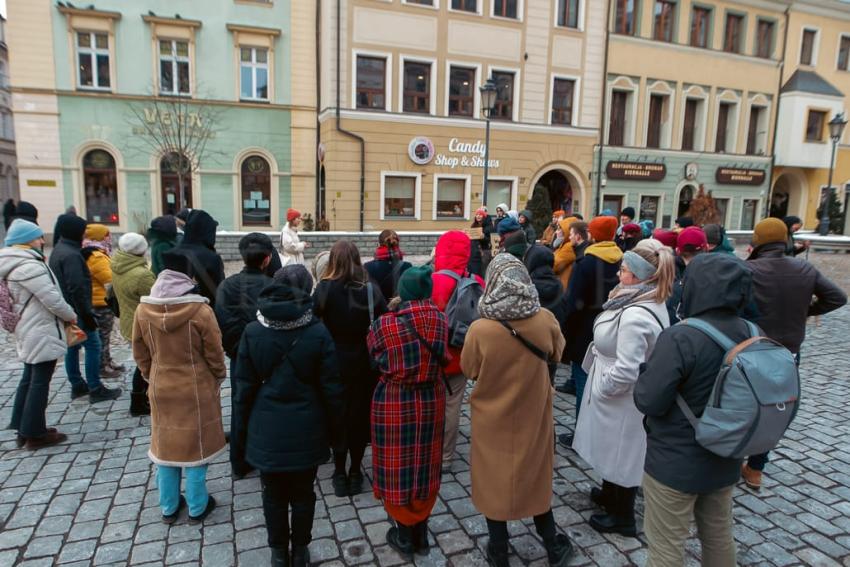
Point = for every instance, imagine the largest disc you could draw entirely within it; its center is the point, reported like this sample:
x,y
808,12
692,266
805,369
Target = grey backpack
x,y
755,396
462,308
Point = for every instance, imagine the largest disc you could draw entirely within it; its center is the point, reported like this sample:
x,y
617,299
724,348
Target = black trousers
x,y
544,523
28,417
285,490
139,384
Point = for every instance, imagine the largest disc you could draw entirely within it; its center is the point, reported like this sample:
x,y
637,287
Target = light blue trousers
x,y
168,482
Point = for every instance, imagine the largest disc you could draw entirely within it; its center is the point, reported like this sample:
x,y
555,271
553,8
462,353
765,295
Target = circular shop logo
x,y
420,151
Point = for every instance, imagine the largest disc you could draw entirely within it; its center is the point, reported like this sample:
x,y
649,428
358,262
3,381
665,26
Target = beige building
x,y
8,157
400,103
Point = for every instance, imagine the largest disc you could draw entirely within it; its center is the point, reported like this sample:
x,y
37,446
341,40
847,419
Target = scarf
x,y
302,321
104,245
624,295
384,253
509,293
606,251
171,283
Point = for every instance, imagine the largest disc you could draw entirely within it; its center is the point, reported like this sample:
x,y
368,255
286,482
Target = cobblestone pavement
x,y
93,501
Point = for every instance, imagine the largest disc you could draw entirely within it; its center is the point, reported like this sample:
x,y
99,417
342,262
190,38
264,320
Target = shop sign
x,y
739,176
41,183
465,154
635,171
420,151
156,121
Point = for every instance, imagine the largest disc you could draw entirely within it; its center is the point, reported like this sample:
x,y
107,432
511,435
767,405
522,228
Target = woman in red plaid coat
x,y
408,410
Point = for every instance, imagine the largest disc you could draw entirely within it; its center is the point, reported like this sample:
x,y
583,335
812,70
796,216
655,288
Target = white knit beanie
x,y
133,243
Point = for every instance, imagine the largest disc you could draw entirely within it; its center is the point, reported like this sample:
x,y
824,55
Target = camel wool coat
x,y
512,453
177,346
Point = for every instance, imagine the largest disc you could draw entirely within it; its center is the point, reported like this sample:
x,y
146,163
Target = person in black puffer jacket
x,y
388,265
525,219
287,409
681,477
539,261
198,245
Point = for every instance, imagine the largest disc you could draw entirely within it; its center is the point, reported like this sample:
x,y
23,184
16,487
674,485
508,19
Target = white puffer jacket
x,y
291,247
40,334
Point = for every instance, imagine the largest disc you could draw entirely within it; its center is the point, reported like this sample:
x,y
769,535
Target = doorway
x,y
174,197
558,191
686,195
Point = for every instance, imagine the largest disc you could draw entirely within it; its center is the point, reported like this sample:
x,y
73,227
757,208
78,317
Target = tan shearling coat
x,y
512,428
177,345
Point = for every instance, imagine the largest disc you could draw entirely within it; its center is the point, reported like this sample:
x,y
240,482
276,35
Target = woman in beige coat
x,y
512,427
177,345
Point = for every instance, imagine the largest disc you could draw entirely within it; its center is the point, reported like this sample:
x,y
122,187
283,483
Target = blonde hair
x,y
660,256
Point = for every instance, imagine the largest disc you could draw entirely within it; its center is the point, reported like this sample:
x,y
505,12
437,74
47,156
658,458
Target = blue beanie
x,y
508,224
22,231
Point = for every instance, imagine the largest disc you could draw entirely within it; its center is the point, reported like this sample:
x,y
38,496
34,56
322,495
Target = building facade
x,y
8,157
401,132
131,110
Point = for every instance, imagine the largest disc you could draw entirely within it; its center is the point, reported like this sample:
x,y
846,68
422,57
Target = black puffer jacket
x,y
783,288
198,245
236,305
539,261
68,264
288,396
686,361
386,273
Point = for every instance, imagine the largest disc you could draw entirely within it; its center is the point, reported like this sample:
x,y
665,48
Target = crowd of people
x,y
327,359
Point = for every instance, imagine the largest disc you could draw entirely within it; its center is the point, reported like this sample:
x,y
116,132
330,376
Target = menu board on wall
x,y
636,171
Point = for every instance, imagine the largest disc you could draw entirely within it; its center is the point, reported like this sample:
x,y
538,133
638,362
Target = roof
x,y
810,82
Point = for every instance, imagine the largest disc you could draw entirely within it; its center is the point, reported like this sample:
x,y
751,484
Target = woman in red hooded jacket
x,y
451,253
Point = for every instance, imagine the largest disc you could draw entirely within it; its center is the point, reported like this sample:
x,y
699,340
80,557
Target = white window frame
x,y
841,36
759,101
815,46
467,191
434,6
476,95
520,9
576,98
174,59
93,52
432,83
479,8
579,20
741,216
696,93
254,65
623,84
666,141
623,196
728,97
659,214
417,204
514,186
517,89
725,222
388,75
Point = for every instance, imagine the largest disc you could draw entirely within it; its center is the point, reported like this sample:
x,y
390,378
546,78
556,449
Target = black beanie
x,y
71,227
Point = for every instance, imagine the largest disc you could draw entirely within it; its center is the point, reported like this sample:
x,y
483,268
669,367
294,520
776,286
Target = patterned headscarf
x,y
509,293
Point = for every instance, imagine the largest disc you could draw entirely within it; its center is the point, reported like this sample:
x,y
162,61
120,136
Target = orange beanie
x,y
603,228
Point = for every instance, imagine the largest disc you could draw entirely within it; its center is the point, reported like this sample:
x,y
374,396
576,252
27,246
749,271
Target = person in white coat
x,y
609,434
291,247
35,297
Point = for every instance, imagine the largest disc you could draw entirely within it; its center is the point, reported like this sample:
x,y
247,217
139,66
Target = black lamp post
x,y
836,129
488,99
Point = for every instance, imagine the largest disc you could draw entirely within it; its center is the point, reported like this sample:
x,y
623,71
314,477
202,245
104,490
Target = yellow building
x,y
815,87
400,102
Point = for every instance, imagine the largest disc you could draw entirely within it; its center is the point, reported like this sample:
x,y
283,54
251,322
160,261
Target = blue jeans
x,y
92,361
168,482
580,377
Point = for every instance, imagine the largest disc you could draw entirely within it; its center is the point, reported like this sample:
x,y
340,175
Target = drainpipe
x,y
339,127
776,122
319,210
602,114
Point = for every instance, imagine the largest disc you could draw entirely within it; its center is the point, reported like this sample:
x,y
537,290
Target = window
x,y
689,129
417,87
175,183
844,54
371,83
624,18
506,8
807,47
461,91
764,39
656,117
568,13
748,214
722,206
450,198
503,109
420,2
686,195
649,206
400,196
721,142
613,203
93,60
617,124
734,33
254,73
665,20
701,27
256,191
562,101
753,142
101,186
814,125
465,5
173,67
499,191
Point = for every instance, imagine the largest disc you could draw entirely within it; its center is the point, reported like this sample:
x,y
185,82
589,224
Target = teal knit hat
x,y
415,283
22,232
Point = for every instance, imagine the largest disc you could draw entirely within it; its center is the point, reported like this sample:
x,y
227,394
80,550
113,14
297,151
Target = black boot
x,y
300,556
421,545
559,550
280,557
602,497
497,554
620,518
399,537
139,404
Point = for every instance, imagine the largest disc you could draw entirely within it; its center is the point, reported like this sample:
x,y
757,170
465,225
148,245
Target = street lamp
x,y
836,129
488,100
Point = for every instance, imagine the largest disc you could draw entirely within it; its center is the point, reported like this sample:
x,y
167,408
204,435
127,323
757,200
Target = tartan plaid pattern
x,y
409,404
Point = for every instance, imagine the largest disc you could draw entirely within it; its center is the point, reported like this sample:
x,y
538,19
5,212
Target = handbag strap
x,y
286,355
371,301
440,358
528,344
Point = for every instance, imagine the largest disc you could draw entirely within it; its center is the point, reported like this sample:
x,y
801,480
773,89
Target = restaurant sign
x,y
739,176
636,171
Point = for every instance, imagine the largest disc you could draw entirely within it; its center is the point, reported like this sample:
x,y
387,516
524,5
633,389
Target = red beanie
x,y
693,237
292,214
665,237
631,228
603,229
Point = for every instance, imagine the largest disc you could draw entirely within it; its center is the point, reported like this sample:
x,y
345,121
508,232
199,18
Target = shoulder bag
x,y
551,364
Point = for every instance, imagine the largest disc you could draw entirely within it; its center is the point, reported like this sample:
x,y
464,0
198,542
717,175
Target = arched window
x,y
256,191
101,187
686,195
175,183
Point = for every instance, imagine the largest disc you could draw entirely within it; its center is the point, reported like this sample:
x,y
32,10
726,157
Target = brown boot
x,y
752,477
47,440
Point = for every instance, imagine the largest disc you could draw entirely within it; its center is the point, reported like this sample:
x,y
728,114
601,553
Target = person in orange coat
x,y
548,238
565,256
97,248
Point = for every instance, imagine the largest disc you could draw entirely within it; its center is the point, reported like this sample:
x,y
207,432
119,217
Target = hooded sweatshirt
x,y
198,245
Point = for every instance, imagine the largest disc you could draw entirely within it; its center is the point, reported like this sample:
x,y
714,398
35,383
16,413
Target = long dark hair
x,y
344,264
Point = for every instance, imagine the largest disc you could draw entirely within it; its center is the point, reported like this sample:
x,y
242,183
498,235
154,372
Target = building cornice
x,y
240,28
68,11
826,8
700,50
171,21
634,151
